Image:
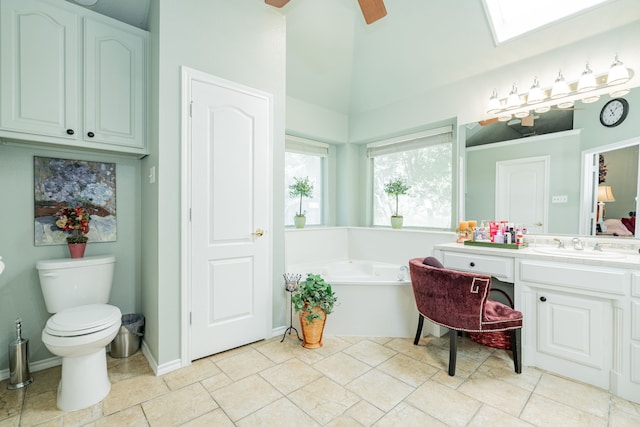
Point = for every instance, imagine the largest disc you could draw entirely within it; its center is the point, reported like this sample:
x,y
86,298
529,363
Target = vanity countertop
x,y
609,257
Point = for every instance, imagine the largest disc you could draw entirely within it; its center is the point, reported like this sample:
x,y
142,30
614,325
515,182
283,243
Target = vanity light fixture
x,y
535,93
618,73
513,101
560,87
494,103
587,80
588,88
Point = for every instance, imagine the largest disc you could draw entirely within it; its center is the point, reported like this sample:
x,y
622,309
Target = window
x,y
304,158
424,161
511,18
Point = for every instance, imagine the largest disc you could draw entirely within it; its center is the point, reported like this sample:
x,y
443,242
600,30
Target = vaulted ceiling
x,y
336,61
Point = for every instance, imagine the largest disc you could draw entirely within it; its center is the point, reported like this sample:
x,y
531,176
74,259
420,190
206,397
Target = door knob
x,y
259,232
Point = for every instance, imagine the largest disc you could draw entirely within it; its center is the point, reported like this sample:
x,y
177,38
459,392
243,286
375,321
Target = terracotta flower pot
x,y
76,250
312,332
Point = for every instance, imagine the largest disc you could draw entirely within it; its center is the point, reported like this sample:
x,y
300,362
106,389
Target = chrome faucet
x,y
560,242
404,271
577,244
598,246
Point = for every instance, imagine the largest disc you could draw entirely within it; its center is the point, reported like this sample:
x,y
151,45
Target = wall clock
x,y
614,112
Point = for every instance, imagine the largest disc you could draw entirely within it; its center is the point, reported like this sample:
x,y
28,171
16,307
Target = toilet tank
x,y
71,282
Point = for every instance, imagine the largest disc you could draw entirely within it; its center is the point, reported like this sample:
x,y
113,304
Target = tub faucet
x,y
577,244
404,270
560,242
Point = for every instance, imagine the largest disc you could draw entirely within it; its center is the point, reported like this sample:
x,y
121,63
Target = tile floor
x,y
348,382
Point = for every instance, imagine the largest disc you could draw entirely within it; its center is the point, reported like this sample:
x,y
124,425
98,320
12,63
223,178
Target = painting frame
x,y
60,183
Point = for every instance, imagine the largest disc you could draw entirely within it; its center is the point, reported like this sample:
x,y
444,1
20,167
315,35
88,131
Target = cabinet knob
x,y
472,264
70,132
543,299
91,134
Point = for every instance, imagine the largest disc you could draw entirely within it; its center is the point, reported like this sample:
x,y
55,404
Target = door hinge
x,y
191,109
190,318
189,214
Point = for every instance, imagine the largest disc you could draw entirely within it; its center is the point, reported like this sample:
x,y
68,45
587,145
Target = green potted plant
x,y
396,187
313,301
302,187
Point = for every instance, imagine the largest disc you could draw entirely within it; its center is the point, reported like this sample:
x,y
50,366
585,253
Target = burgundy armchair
x,y
460,301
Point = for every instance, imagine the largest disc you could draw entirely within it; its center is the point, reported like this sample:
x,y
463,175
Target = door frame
x,y
187,76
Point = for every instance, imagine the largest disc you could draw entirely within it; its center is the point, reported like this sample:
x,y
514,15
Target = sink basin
x,y
584,254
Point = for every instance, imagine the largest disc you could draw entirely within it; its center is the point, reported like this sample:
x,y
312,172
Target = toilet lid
x,y
83,320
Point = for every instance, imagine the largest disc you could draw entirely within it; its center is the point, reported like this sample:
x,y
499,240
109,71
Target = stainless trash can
x,y
127,342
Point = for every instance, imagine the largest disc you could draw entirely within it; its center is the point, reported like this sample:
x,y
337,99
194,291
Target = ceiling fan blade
x,y
276,3
372,10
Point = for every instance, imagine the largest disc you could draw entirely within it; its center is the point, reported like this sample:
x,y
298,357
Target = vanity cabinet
x,y
581,318
71,77
571,310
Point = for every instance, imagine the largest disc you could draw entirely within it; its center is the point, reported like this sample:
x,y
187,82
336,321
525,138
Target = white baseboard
x,y
40,365
159,369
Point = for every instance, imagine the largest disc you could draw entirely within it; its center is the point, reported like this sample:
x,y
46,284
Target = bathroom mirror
x,y
567,142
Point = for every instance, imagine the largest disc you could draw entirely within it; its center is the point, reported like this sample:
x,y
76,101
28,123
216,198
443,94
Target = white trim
x,y
188,75
526,140
40,365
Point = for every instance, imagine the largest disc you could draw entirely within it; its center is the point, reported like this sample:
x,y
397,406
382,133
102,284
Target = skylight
x,y
511,18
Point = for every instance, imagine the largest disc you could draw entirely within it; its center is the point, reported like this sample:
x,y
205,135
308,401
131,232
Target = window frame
x,y
309,147
411,141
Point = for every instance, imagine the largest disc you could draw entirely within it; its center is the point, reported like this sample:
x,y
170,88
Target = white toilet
x,y
77,291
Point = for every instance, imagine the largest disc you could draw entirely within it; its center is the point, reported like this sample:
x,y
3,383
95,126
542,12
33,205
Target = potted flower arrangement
x,y
396,187
76,221
302,187
313,301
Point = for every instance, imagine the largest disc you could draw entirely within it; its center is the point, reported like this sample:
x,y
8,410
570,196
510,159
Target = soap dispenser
x,y
19,375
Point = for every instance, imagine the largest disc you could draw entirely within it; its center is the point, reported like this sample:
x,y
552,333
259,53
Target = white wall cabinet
x,y
71,77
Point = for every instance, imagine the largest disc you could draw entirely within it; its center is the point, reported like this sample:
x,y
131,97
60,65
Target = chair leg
x,y
516,343
419,331
453,351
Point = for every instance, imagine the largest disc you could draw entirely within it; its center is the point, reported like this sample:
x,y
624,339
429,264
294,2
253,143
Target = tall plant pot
x,y
299,221
396,221
312,332
76,250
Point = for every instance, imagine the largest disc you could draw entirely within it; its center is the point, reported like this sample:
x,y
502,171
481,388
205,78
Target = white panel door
x,y
230,193
39,68
521,193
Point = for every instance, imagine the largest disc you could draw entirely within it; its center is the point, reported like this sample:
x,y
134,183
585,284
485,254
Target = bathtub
x,y
375,299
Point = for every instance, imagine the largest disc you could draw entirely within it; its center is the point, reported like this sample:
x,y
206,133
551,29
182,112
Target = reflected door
x,y
522,192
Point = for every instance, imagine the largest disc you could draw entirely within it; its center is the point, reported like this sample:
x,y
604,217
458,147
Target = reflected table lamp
x,y
605,195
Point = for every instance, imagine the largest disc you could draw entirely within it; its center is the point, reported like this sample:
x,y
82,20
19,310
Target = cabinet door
x,y
572,327
114,91
39,68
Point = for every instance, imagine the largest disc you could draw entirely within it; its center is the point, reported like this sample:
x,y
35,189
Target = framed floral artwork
x,y
62,189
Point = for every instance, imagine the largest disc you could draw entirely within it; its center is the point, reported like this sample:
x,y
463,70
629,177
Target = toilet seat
x,y
83,320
